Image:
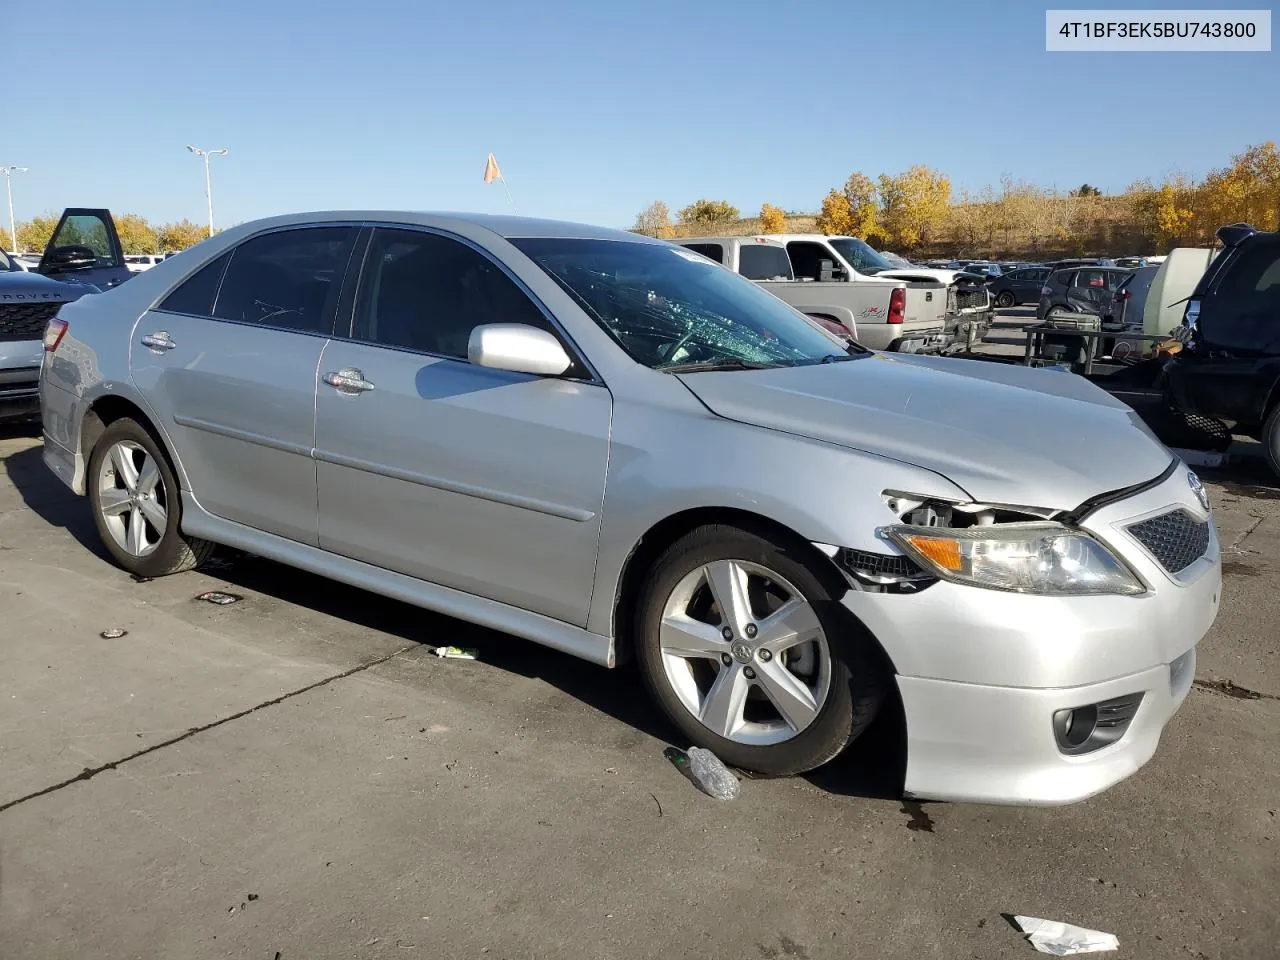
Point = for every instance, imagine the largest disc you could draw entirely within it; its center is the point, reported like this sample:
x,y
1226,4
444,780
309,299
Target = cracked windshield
x,y
674,310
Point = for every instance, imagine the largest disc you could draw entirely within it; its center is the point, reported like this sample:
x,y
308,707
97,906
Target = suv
x,y
83,256
1229,368
1079,290
612,446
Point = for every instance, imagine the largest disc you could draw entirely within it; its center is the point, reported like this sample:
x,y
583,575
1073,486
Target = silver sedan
x,y
611,446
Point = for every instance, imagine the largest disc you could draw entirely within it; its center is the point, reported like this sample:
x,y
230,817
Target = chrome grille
x,y
968,299
1176,539
25,321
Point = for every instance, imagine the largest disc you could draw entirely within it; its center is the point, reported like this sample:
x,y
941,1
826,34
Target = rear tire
x,y
136,504
786,709
1006,300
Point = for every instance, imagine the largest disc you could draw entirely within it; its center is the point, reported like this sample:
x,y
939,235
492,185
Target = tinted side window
x,y
806,258
422,291
287,279
759,261
712,251
90,231
1257,271
196,293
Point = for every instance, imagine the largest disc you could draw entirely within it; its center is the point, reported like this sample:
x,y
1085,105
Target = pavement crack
x,y
1234,545
88,773
1228,689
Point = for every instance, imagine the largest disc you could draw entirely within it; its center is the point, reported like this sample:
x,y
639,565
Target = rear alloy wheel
x,y
751,656
136,506
1006,299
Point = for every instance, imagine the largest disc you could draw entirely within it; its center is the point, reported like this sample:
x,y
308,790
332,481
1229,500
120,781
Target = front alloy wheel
x,y
744,652
745,645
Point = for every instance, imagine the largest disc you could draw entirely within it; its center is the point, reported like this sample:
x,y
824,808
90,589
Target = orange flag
x,y
491,171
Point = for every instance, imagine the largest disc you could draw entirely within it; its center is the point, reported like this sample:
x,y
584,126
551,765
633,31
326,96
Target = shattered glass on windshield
x,y
671,309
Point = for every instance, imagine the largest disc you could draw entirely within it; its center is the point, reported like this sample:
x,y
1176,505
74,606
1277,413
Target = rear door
x,y
1029,284
85,248
228,360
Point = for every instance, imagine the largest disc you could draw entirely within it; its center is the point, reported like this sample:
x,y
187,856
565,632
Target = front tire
x,y
136,506
750,654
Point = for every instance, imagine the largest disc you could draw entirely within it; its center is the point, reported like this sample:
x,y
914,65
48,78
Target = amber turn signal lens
x,y
945,553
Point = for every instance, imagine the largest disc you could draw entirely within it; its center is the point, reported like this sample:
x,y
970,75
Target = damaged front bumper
x,y
970,311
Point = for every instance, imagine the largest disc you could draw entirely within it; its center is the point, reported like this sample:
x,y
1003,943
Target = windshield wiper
x,y
705,365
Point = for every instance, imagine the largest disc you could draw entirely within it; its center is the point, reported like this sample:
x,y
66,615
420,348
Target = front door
x,y
85,248
229,362
482,480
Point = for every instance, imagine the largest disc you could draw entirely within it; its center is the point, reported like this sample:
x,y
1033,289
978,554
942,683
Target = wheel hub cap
x,y
745,653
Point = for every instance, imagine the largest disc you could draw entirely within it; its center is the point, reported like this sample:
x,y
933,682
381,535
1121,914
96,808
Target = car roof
x,y
508,227
755,241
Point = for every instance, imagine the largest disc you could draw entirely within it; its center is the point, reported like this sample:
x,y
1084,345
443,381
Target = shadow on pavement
x,y
1244,477
872,767
46,496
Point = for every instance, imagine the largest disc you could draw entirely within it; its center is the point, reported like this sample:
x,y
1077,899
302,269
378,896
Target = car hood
x,y
34,287
1006,434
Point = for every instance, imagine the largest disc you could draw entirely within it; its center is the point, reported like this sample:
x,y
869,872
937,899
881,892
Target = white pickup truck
x,y
882,313
966,306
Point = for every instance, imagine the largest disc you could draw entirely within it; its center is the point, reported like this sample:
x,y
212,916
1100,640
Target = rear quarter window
x,y
760,261
195,294
712,251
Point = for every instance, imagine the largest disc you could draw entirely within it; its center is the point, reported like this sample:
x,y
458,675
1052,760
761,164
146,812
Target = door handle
x,y
159,341
348,380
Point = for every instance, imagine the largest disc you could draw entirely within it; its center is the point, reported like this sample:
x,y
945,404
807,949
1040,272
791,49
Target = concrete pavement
x,y
295,776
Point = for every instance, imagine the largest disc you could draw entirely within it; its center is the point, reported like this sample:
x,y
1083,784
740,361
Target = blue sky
x,y
594,109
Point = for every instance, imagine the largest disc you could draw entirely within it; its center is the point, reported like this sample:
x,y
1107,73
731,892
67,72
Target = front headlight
x,y
1043,558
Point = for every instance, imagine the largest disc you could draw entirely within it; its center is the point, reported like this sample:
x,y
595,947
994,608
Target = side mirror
x,y
517,347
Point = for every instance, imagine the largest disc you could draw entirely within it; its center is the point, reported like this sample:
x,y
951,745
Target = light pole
x,y
8,172
208,189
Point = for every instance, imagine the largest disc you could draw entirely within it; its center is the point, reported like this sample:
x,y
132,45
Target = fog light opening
x,y
1075,727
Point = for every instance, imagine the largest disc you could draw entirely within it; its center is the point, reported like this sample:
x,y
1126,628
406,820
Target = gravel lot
x,y
295,776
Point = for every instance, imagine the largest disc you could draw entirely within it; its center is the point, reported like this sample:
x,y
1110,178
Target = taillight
x,y
897,305
53,334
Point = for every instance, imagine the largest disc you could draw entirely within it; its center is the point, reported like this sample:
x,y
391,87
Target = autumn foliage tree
x,y
34,234
136,234
772,219
705,213
913,206
654,220
864,205
179,235
835,219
